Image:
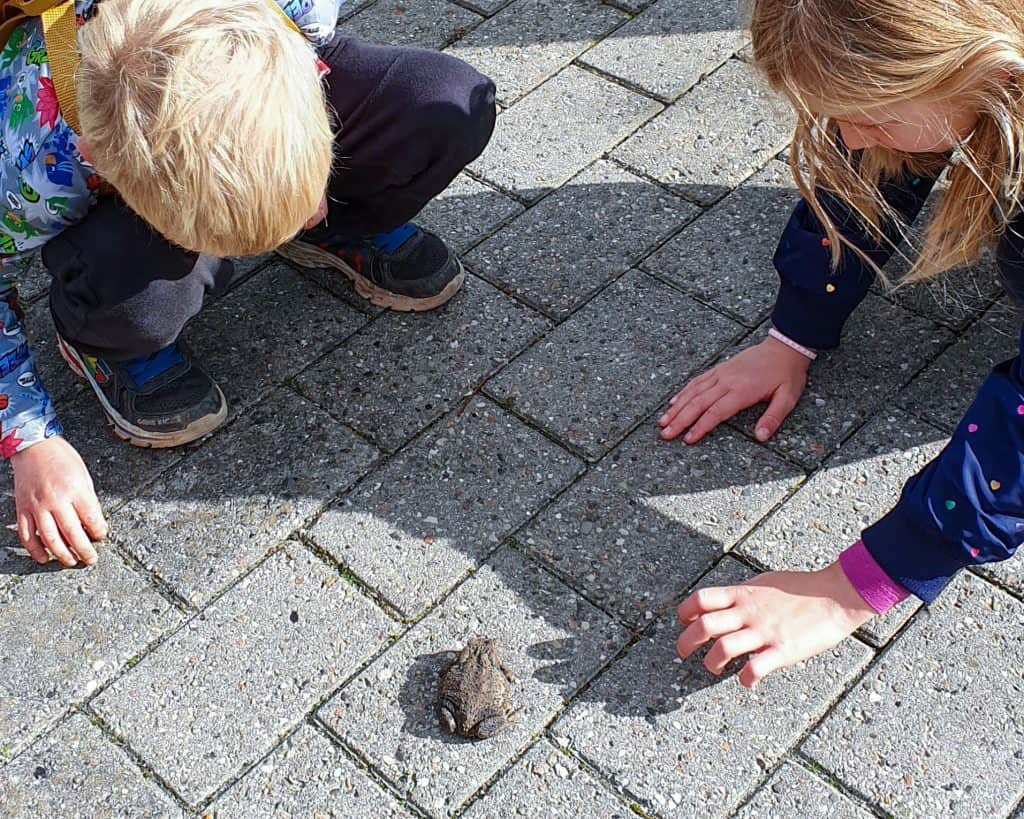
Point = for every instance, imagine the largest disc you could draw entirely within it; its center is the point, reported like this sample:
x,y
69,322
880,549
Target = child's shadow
x,y
659,684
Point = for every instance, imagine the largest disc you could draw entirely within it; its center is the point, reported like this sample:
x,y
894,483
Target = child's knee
x,y
454,105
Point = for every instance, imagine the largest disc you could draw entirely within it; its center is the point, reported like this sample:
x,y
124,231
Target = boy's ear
x,y
83,149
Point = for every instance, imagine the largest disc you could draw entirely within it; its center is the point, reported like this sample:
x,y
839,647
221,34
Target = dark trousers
x,y
409,120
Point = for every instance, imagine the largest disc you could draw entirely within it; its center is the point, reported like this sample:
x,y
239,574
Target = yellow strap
x,y
61,35
284,14
60,32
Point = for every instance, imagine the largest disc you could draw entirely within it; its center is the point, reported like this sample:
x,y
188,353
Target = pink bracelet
x,y
807,351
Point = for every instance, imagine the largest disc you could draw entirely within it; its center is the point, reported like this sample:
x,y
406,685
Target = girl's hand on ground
x,y
56,503
779,618
769,371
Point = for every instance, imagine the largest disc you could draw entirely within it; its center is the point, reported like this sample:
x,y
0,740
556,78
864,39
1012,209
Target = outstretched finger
x,y
761,665
731,646
91,515
687,399
710,598
779,408
689,412
73,534
50,535
30,540
694,385
722,410
708,627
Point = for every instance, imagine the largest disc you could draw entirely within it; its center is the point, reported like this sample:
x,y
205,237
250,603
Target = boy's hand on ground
x,y
779,618
769,371
56,503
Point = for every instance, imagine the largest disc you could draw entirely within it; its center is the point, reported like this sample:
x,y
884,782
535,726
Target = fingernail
x,y
663,420
672,400
762,433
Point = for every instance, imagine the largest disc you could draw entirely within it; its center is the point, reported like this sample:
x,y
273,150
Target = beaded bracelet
x,y
792,344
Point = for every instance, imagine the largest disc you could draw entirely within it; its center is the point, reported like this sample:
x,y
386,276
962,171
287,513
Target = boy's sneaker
x,y
406,269
158,400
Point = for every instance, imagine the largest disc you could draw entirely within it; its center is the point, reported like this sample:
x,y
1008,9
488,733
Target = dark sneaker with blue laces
x,y
158,400
408,268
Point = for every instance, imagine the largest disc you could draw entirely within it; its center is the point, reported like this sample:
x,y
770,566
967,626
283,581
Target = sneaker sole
x,y
127,431
307,255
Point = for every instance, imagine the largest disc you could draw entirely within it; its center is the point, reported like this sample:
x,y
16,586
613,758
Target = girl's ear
x,y
83,149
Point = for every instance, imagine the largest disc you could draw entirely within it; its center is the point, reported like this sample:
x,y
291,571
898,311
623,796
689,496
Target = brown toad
x,y
473,693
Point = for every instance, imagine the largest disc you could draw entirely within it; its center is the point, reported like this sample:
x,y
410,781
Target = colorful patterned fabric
x,y
45,186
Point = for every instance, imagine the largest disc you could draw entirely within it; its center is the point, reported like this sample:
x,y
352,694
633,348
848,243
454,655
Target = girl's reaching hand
x,y
769,371
779,618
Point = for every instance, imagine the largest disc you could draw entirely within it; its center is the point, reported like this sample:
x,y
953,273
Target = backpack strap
x,y
60,33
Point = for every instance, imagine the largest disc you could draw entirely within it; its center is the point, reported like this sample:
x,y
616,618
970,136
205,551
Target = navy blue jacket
x,y
966,506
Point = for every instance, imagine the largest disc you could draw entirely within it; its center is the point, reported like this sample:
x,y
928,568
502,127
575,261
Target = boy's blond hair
x,y
850,56
209,119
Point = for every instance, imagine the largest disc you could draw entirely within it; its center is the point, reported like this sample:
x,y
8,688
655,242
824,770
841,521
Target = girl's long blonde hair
x,y
856,55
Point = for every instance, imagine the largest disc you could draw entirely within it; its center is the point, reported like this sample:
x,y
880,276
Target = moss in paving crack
x,y
633,806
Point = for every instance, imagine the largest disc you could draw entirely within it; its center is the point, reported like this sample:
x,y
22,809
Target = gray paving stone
x,y
1010,572
552,639
487,7
352,7
77,773
856,487
650,518
266,331
52,370
688,743
594,376
66,632
33,278
118,469
725,257
466,211
217,695
794,791
416,526
934,729
423,24
956,297
669,47
883,346
592,229
306,776
558,129
944,390
406,370
704,149
245,266
547,783
530,40
204,523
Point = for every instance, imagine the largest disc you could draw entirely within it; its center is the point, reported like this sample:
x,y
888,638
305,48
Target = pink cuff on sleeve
x,y
879,590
